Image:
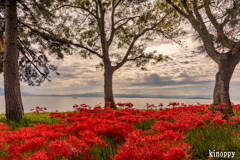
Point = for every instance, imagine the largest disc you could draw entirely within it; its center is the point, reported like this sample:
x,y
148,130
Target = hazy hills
x,y
101,94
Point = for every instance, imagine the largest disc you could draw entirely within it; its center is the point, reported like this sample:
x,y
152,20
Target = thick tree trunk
x,y
13,100
108,90
223,77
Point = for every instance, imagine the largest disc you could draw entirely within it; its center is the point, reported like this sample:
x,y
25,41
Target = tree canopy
x,y
117,31
36,39
100,27
217,24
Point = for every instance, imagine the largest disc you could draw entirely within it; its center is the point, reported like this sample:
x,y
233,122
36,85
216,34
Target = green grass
x,y
214,138
28,121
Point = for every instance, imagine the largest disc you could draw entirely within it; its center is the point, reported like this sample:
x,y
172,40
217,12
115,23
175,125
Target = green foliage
x,y
213,138
105,153
37,36
223,16
146,124
126,25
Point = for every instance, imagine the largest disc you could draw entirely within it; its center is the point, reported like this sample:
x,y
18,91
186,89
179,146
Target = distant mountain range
x,y
101,94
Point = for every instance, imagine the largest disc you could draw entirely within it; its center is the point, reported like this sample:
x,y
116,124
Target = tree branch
x,y
28,9
112,26
175,7
117,4
196,8
121,26
79,7
184,2
102,30
86,48
97,15
141,56
133,42
66,41
226,20
164,35
45,77
221,36
125,33
127,18
28,26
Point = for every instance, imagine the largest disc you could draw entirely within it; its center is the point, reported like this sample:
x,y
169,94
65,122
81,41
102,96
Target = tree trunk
x,y
223,77
13,100
108,91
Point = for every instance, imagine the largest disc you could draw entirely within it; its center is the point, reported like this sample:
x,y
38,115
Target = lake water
x,y
66,103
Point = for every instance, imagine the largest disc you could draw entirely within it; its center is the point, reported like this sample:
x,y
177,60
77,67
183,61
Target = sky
x,y
189,74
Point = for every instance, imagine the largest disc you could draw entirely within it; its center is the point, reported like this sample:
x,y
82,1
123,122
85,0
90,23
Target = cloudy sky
x,y
188,74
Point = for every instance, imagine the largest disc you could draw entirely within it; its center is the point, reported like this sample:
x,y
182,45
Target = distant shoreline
x,y
114,96
120,97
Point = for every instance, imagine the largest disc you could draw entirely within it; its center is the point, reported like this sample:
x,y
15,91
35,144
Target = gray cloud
x,y
156,80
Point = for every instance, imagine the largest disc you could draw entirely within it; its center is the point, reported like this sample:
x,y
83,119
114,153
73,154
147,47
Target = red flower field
x,y
168,134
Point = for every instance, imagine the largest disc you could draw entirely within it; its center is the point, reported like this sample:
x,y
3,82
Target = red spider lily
x,y
81,106
57,115
160,105
38,155
130,105
121,104
174,104
200,137
75,106
3,126
233,133
222,104
235,118
38,109
108,104
80,132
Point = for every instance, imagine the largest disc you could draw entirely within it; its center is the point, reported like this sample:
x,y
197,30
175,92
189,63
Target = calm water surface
x,y
66,103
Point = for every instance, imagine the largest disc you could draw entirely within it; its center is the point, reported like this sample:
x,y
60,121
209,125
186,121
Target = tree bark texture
x,y
13,100
221,90
108,89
